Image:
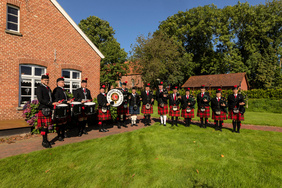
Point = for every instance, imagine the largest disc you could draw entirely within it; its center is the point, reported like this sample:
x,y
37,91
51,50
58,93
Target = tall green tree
x,y
102,35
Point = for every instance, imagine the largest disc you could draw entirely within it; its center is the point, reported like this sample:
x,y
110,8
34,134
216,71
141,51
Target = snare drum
x,y
89,108
61,111
76,108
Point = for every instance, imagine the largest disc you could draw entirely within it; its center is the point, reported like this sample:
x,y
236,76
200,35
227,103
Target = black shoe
x,y
233,131
220,130
51,143
61,138
164,124
65,135
84,132
101,130
132,125
119,126
46,145
106,130
80,133
145,125
125,126
237,131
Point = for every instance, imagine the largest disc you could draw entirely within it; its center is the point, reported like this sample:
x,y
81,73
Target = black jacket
x,y
44,97
232,102
185,101
160,98
102,100
147,98
134,100
200,100
125,95
216,105
79,94
173,102
59,94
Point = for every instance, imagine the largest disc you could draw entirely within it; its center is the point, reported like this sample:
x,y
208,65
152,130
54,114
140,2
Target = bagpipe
x,y
149,103
178,100
161,96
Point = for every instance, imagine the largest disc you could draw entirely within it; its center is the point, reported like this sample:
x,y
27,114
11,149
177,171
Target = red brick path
x,y
34,143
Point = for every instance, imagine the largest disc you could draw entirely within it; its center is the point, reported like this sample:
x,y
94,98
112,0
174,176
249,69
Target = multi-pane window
x,y
132,81
30,78
72,79
13,14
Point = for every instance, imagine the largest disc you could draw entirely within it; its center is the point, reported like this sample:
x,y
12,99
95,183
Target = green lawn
x,y
251,118
155,156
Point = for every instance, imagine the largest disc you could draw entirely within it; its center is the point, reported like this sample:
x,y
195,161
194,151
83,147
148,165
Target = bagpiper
x,y
174,109
44,96
162,97
59,95
188,104
82,95
103,109
122,110
134,106
236,109
203,100
147,104
218,105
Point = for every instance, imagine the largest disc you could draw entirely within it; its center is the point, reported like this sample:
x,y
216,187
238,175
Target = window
x,y
30,78
13,14
72,79
132,81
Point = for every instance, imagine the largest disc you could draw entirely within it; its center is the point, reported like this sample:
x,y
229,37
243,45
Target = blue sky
x,y
131,18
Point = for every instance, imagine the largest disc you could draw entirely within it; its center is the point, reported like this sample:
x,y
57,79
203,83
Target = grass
x,y
155,156
251,118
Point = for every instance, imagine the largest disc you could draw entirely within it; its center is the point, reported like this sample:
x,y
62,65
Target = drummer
x,y
82,95
103,109
59,95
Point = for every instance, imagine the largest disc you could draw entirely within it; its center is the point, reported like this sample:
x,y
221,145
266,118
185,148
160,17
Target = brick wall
x,y
44,29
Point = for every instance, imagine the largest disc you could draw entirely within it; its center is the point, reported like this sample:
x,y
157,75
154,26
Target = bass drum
x,y
115,97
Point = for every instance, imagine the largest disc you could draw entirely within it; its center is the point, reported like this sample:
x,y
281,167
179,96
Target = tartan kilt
x,y
164,110
43,121
187,115
174,113
145,111
104,116
220,117
121,110
205,114
237,117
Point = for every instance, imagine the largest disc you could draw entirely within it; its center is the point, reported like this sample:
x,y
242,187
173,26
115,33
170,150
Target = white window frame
x,y
31,77
71,80
8,5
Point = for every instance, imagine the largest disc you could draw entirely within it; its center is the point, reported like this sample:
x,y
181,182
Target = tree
x,y
102,35
161,57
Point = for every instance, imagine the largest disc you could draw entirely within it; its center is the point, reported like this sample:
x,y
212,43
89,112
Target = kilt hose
x,y
147,111
164,110
43,121
174,113
104,116
205,114
186,114
121,110
237,117
220,117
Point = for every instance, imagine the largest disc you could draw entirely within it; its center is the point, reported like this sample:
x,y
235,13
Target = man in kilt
x,y
82,95
203,100
188,105
122,110
236,105
162,97
103,109
147,104
134,106
44,121
59,94
218,105
174,109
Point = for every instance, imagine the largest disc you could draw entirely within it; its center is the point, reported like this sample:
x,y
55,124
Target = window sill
x,y
13,32
20,108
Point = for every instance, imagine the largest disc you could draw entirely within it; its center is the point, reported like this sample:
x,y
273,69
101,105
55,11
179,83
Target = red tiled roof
x,y
216,80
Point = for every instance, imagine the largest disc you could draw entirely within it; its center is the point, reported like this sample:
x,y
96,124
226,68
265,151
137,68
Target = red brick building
x,y
224,81
38,36
133,77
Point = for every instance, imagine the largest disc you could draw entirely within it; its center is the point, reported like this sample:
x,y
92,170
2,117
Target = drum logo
x,y
115,97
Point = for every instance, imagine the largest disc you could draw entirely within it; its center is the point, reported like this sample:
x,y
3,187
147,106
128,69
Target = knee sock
x,y
164,119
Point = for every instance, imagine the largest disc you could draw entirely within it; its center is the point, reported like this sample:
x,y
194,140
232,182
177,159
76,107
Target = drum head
x,y
115,96
76,103
90,103
62,105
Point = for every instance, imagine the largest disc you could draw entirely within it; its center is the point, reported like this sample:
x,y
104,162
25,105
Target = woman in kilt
x,y
147,104
218,105
134,106
103,109
236,105
174,109
162,97
44,96
188,105
203,100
